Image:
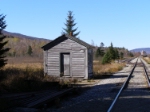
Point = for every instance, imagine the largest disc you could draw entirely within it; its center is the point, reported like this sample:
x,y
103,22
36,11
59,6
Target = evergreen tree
x,y
116,54
29,52
3,50
101,44
130,54
70,25
100,51
97,54
121,55
106,58
112,52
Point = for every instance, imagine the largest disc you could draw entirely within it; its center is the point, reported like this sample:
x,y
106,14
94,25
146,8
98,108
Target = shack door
x,y
65,64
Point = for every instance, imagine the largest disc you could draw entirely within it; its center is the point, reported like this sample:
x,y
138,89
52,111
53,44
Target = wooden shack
x,y
68,56
143,53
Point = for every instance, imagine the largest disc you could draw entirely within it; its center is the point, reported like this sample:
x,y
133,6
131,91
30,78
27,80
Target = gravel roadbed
x,y
135,98
98,98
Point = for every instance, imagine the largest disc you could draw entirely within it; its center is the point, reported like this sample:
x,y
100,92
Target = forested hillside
x,y
22,45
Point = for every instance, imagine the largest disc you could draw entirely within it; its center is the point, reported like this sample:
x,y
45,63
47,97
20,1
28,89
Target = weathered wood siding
x,y
78,58
45,62
78,62
90,62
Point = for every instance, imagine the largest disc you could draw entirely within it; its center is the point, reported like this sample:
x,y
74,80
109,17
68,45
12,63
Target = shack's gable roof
x,y
62,38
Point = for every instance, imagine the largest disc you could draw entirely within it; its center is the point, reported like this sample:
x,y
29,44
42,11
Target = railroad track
x,y
128,60
134,88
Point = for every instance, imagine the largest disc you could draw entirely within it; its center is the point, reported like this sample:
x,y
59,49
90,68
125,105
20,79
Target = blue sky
x,y
125,23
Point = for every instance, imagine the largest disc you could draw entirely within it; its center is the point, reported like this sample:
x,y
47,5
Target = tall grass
x,y
22,77
147,59
100,70
29,77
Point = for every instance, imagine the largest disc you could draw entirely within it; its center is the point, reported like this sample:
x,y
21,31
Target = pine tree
x,y
116,54
70,25
3,50
97,54
100,51
29,52
121,55
130,54
101,44
106,58
112,52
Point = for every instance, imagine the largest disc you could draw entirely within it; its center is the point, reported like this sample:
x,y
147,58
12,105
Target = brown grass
x,y
26,74
21,75
107,69
25,77
147,59
34,66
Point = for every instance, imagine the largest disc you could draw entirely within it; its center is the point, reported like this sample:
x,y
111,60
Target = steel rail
x,y
124,85
146,74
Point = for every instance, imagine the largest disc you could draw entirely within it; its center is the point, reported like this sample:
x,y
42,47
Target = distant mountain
x,y
147,50
10,34
19,44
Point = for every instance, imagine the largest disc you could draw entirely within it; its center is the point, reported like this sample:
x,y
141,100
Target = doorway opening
x,y
65,64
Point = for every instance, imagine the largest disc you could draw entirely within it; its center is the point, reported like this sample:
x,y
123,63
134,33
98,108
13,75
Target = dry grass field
x,y
147,59
26,74
107,69
23,74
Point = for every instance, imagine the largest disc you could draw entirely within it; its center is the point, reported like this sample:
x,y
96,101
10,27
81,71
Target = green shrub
x,y
106,58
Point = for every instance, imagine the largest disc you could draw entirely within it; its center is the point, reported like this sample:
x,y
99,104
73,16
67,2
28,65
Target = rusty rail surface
x,y
124,85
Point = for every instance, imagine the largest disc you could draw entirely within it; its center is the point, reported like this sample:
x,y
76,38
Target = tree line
x,y
111,53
